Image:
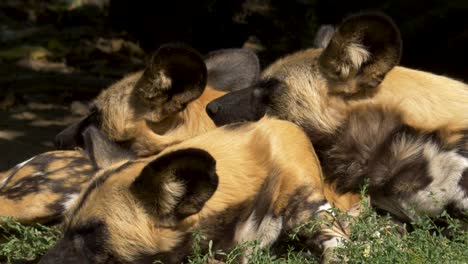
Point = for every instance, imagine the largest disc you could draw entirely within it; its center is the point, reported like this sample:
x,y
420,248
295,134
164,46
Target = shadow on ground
x,y
29,129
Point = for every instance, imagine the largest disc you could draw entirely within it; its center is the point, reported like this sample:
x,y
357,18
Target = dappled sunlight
x,y
10,135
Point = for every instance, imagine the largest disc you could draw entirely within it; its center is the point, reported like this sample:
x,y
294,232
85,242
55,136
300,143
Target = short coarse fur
x,y
165,104
41,189
232,185
404,130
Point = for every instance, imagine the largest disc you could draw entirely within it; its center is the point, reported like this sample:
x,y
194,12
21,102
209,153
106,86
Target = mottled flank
x,y
44,187
232,185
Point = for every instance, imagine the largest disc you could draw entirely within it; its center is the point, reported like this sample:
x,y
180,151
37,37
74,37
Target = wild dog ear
x,y
177,184
323,36
71,136
232,69
364,48
175,76
101,150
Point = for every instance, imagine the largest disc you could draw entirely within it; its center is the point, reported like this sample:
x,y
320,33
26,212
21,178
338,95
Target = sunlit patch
x,y
26,115
10,135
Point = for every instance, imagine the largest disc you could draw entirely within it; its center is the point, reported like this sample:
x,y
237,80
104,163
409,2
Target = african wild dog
x,y
238,183
165,104
404,130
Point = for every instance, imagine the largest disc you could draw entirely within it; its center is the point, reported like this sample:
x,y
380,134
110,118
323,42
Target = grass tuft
x,y
25,242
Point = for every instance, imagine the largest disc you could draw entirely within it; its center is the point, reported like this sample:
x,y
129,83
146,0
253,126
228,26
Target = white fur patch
x,y
170,194
446,169
326,207
70,201
266,233
162,81
332,243
14,170
357,54
20,165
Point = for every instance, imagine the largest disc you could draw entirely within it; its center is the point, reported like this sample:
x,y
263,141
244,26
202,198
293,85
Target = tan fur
x,y
193,120
426,101
271,158
127,119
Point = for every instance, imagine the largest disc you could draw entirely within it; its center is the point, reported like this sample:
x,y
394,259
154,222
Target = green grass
x,y
374,239
25,242
377,239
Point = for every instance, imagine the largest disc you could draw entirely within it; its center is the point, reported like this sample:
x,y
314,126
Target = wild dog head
x,y
350,62
165,103
133,211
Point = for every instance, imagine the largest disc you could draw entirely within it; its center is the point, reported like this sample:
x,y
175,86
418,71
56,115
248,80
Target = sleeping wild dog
x,y
234,184
403,130
165,104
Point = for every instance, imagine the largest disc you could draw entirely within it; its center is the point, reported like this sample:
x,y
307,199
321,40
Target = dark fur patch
x,y
362,150
26,186
391,176
84,243
297,203
71,137
464,182
264,203
462,145
94,235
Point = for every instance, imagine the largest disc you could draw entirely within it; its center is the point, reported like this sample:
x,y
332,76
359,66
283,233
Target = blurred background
x,y
55,55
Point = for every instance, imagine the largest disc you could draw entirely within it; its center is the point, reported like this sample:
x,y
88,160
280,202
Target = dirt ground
x,y
29,129
55,56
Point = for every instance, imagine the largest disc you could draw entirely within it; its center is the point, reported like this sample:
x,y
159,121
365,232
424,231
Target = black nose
x,y
212,108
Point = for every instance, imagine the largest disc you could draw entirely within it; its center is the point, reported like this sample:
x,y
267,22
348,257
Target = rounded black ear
x,y
232,69
177,184
175,75
364,48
